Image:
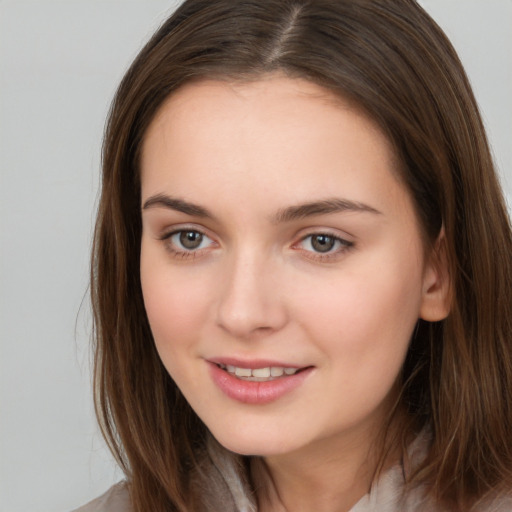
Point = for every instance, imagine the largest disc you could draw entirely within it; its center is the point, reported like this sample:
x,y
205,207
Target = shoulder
x,y
499,503
116,499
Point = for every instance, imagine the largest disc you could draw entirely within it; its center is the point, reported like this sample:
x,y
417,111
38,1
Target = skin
x,y
257,287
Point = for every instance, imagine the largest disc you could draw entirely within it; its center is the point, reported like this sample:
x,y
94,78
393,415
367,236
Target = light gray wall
x,y
60,62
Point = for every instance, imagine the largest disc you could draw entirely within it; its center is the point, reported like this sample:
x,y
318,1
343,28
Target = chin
x,y
253,443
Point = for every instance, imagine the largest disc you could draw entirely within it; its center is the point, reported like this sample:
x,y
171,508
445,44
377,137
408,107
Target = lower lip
x,y
249,392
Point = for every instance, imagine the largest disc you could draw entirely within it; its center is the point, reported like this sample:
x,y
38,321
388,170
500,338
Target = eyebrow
x,y
323,207
288,214
173,203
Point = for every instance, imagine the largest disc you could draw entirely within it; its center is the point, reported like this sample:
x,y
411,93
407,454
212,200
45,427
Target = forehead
x,y
277,133
275,101
276,83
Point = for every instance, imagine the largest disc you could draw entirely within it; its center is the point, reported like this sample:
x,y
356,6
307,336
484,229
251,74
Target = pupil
x,y
191,239
322,243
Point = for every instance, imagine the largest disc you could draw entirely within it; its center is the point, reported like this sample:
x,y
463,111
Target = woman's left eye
x,y
324,244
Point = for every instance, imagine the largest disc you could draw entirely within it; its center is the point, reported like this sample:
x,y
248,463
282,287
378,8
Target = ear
x,y
436,295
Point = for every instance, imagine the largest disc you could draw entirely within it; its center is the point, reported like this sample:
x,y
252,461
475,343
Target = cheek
x,y
176,305
365,318
362,330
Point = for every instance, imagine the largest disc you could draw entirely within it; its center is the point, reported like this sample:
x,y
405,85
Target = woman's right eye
x,y
187,242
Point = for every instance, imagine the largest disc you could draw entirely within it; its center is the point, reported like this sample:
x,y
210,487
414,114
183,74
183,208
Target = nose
x,y
251,302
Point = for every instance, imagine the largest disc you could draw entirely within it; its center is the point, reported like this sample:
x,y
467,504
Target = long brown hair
x,y
391,59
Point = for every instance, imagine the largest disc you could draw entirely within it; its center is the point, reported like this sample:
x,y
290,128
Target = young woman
x,y
301,273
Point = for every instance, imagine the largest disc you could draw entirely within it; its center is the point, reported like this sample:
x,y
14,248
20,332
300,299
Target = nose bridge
x,y
249,299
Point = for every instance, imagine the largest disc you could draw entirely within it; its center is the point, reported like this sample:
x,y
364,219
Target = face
x,y
282,264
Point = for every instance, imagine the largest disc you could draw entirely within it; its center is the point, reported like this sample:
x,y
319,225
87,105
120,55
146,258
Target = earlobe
x,y
436,299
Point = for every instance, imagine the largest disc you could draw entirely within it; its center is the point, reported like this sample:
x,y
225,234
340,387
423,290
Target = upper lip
x,y
252,363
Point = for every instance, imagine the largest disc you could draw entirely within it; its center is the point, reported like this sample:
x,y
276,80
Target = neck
x,y
331,475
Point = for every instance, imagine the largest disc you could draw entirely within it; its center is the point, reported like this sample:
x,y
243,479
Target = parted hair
x,y
393,61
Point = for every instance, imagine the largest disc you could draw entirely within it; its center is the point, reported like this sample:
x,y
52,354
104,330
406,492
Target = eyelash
x,y
184,254
342,244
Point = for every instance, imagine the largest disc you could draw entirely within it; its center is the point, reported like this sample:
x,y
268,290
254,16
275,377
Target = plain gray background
x,y
60,62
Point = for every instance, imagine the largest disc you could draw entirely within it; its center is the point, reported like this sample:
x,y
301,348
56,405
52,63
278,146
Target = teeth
x,y
243,372
275,371
259,373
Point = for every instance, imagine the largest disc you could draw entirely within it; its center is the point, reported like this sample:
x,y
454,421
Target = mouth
x,y
265,374
257,382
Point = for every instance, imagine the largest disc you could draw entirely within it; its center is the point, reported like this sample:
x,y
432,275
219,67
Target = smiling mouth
x,y
260,374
